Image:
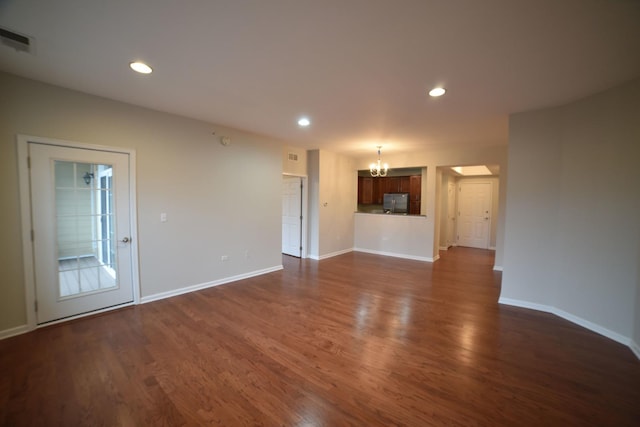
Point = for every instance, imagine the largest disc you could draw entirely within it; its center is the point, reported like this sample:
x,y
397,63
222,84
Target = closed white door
x,y
474,216
292,216
81,230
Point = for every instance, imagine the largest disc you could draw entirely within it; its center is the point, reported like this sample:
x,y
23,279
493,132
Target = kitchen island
x,y
398,235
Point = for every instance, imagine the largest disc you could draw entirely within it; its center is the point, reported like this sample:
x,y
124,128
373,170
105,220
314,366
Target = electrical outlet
x,y
163,217
224,258
246,254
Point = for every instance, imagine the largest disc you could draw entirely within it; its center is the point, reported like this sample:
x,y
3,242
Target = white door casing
x,y
474,214
106,260
292,215
451,214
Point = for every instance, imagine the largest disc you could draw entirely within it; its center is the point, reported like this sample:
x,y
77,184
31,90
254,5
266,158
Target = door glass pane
x,y
85,225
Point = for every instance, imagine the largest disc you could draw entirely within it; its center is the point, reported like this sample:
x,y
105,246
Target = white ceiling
x,y
360,69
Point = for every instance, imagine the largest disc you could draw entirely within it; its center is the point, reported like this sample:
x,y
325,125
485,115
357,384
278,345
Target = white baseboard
x,y
193,288
497,267
397,255
12,332
492,248
332,254
575,319
444,248
635,348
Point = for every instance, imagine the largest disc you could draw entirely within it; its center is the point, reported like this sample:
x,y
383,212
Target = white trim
x,y
444,248
331,255
397,255
635,348
492,248
193,288
22,142
497,268
26,225
576,320
12,332
304,213
87,314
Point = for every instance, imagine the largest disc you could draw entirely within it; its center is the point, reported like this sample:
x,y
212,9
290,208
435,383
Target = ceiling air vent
x,y
17,41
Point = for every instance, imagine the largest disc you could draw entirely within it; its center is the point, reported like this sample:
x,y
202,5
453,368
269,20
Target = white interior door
x,y
292,216
474,214
81,230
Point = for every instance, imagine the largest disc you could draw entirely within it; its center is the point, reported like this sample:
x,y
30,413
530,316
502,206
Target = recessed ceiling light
x,y
140,67
304,122
437,91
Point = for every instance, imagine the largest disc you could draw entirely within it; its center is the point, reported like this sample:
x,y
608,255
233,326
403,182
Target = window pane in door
x,y
85,224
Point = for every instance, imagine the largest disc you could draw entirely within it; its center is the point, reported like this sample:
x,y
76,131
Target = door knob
x,y
125,240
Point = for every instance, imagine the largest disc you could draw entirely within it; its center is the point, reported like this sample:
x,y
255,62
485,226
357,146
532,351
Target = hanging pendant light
x,y
378,169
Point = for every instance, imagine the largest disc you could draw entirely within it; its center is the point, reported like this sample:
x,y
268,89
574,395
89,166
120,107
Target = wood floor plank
x,y
356,340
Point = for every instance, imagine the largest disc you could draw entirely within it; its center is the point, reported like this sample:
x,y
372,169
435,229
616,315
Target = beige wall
x,y
573,204
298,164
219,200
332,203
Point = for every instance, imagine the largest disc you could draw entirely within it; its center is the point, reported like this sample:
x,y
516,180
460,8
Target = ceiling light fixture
x,y
304,122
377,169
437,91
140,67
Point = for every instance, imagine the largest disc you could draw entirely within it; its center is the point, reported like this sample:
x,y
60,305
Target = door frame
x,y
304,201
26,222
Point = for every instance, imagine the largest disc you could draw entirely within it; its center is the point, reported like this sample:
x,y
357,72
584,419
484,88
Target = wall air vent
x,y
17,41
293,157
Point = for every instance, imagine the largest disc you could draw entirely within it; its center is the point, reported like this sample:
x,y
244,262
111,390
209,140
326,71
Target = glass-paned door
x,y
80,205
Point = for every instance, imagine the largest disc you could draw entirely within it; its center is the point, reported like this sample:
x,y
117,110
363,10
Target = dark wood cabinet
x,y
365,190
383,187
405,184
394,184
371,190
414,207
415,190
415,187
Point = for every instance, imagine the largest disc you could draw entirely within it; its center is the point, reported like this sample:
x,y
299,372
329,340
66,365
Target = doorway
x,y
293,216
78,228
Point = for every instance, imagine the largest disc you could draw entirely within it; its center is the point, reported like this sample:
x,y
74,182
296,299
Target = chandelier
x,y
377,169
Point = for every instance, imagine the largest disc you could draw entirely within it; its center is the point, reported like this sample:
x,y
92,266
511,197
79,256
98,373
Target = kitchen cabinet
x,y
371,190
365,190
415,187
415,190
405,184
383,187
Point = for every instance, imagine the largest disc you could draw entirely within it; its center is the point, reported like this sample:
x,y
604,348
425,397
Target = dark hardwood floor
x,y
358,339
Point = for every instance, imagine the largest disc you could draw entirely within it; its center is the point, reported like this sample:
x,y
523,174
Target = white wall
x,y
402,236
219,200
313,169
333,190
573,203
